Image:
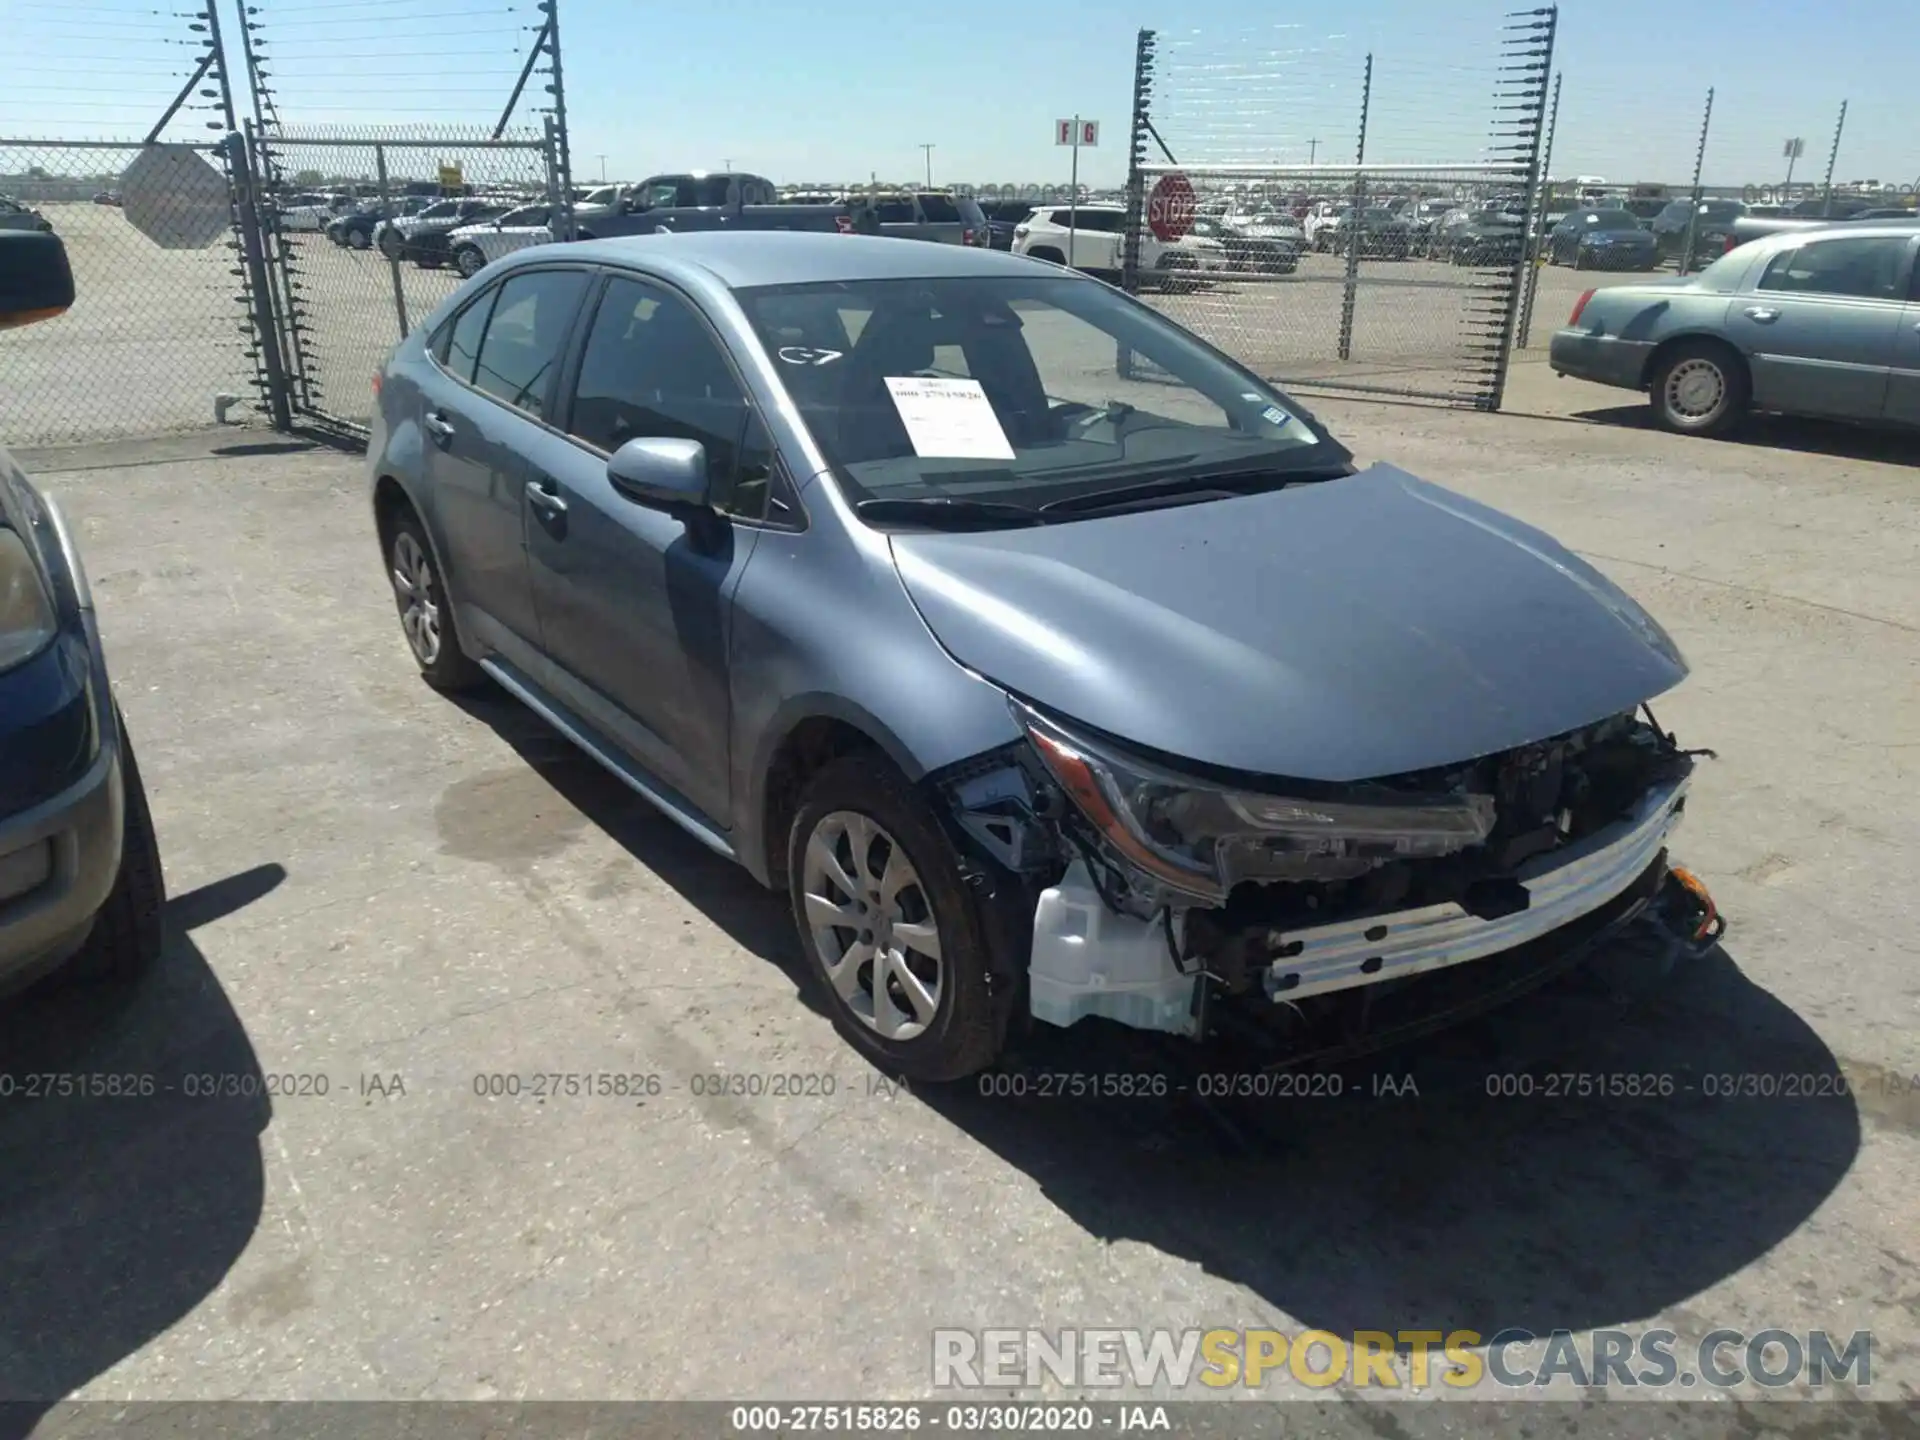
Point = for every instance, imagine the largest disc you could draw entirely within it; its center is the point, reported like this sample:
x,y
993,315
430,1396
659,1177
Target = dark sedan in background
x,y
1710,231
1602,240
1001,217
1490,238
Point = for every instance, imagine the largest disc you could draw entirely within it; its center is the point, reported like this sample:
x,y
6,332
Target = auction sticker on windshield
x,y
948,419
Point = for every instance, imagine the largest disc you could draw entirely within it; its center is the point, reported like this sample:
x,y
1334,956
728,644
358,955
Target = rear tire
x,y
1700,388
127,933
359,239
858,817
426,610
469,261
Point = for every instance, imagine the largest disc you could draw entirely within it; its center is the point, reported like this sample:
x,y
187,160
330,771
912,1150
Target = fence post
x,y
564,160
253,255
1693,208
1141,128
1537,239
1349,289
1826,205
1532,48
393,255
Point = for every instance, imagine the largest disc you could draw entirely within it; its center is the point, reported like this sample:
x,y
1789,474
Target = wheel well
x,y
808,746
390,502
1047,252
1679,342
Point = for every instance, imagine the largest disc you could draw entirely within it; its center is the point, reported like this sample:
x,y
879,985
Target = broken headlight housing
x,y
1201,839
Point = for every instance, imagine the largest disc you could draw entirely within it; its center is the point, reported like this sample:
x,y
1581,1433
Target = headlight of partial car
x,y
27,621
1201,838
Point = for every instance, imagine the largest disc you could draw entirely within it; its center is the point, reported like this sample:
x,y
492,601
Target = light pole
x,y
1313,149
929,150
603,168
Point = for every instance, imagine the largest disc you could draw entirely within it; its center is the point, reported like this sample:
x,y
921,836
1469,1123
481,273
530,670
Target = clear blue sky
x,y
841,91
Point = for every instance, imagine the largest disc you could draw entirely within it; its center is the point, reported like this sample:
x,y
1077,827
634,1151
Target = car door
x,y
1819,325
1903,381
634,603
494,368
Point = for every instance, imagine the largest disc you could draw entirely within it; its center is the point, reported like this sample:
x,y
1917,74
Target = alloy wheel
x,y
872,925
418,597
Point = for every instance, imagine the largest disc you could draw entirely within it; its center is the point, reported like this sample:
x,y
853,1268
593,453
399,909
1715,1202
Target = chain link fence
x,y
158,339
387,240
1344,208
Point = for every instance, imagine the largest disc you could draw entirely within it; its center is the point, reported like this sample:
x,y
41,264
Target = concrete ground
x,y
392,897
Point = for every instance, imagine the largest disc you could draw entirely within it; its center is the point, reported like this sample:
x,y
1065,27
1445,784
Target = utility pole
x,y
726,165
1313,149
603,168
929,150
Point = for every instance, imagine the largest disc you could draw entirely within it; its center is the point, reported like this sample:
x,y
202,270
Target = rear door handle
x,y
543,499
1762,314
439,426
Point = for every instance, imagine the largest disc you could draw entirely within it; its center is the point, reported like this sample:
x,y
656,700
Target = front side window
x,y
1871,268
939,208
651,369
1008,388
525,336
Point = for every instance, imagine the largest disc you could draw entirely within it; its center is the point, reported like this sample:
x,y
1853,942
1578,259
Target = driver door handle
x,y
544,499
438,426
1762,313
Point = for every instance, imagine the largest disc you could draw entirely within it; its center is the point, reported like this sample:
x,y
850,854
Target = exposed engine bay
x,y
1159,895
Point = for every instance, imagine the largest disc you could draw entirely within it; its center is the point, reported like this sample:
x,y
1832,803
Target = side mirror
x,y
36,282
662,474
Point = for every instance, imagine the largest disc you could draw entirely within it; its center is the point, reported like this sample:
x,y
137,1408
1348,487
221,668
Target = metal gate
x,y
1397,279
345,295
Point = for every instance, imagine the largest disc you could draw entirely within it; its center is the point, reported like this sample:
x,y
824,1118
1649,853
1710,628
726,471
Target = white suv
x,y
1098,238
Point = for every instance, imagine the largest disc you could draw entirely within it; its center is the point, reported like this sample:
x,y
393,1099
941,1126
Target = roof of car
x,y
740,259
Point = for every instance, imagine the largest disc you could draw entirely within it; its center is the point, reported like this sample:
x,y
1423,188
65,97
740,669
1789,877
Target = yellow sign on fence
x,y
450,177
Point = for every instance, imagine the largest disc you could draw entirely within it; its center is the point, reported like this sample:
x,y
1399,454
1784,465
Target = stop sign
x,y
175,198
1170,207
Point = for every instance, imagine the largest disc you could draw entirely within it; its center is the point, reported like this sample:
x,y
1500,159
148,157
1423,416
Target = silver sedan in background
x,y
1814,322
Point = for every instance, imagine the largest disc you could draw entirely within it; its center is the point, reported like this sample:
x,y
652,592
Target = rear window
x,y
939,208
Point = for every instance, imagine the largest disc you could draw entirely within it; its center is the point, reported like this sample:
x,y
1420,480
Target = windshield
x,y
1008,389
1380,217
1610,220
444,210
527,215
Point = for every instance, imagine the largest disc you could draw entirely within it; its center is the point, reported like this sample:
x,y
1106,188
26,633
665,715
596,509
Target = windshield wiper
x,y
1243,481
948,512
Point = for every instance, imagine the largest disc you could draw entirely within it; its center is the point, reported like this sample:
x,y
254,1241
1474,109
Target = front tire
x,y
887,923
127,933
358,239
1700,388
426,611
469,261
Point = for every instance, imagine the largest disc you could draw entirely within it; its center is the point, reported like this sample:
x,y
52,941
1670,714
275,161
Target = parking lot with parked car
x,y
451,896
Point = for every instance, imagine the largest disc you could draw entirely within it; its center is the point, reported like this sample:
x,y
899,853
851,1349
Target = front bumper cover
x,y
1561,887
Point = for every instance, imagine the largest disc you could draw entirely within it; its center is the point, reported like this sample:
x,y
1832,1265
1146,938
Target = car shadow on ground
x,y
1445,1185
121,1212
752,916
1778,432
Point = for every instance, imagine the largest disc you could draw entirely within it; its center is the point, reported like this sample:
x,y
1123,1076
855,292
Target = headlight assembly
x,y
27,621
1200,838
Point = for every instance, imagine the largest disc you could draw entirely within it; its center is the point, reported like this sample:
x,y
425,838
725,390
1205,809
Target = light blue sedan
x,y
1815,322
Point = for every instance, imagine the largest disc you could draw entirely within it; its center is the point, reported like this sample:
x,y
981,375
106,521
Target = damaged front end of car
x,y
1320,916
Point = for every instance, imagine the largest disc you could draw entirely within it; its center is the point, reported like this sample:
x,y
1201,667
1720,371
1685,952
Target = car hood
x,y
1338,631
